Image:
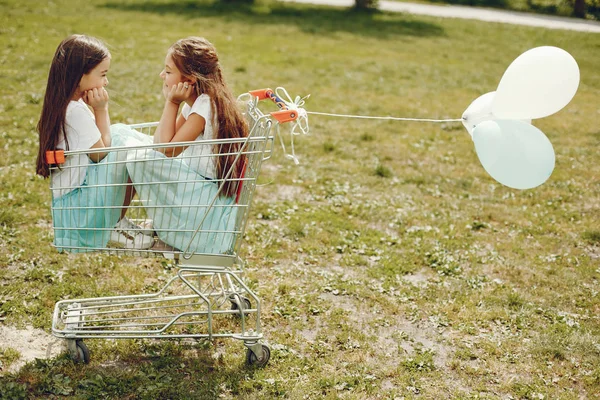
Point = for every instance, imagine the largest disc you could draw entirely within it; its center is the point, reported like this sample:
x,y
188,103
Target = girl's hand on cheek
x,y
180,92
97,98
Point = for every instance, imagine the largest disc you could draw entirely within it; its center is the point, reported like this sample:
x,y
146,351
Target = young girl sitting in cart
x,y
190,175
89,191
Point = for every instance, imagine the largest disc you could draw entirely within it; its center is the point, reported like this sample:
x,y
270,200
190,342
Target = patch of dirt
x,y
280,193
31,343
420,278
593,252
418,334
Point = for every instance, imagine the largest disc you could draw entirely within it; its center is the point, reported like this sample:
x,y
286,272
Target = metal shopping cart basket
x,y
206,298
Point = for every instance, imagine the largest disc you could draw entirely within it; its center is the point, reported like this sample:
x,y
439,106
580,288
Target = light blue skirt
x,y
84,217
178,199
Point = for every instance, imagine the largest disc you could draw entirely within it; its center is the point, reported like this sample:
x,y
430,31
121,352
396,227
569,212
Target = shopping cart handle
x,y
264,94
261,93
284,115
55,157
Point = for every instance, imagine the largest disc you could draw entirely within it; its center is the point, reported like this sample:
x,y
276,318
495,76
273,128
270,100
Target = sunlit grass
x,y
388,262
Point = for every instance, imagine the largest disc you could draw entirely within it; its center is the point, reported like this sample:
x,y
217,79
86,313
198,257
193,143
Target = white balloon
x,y
480,110
514,153
536,84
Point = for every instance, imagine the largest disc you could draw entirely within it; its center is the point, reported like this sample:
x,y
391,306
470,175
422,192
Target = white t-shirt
x,y
82,133
200,158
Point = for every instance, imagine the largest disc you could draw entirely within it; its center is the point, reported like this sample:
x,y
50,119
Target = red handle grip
x,y
285,115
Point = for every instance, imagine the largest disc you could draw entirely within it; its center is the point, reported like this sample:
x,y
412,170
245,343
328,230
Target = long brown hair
x,y
75,56
196,57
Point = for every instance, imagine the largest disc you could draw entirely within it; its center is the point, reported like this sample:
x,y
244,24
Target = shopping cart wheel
x,y
79,351
239,302
258,360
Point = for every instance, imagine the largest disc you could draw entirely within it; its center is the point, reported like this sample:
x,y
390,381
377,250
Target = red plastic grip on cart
x,y
55,157
285,115
262,94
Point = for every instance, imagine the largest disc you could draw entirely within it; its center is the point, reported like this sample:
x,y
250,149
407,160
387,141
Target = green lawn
x,y
390,265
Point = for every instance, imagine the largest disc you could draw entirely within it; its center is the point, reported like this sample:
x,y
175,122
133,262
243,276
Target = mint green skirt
x,y
178,199
84,217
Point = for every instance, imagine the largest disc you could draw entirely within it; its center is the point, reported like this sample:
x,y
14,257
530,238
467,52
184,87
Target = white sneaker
x,y
130,235
145,226
128,225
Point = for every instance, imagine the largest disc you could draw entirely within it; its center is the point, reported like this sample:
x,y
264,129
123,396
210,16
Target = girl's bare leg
x,y
129,193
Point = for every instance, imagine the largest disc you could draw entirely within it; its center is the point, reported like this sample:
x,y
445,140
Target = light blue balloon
x,y
514,153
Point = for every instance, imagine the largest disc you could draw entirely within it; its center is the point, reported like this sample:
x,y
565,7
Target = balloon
x,y
514,153
480,110
536,84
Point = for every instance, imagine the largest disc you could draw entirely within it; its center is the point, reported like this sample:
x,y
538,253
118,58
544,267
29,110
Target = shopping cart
x,y
206,299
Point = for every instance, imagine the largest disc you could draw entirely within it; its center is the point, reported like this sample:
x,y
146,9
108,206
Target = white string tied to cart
x,y
299,126
385,118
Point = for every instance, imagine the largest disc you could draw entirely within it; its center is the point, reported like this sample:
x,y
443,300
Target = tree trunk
x,y
579,8
366,4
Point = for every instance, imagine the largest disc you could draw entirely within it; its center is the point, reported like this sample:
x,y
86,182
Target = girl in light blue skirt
x,y
89,191
178,184
177,198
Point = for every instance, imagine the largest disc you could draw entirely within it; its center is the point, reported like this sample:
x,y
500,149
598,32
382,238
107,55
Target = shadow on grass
x,y
162,371
477,3
310,19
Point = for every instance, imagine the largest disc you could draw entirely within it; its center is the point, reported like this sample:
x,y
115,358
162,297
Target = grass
x,y
390,265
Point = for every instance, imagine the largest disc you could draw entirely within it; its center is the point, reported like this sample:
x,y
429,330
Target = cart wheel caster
x,y
79,351
237,301
258,361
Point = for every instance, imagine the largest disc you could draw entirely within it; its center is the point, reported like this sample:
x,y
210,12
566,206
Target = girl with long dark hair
x,y
88,209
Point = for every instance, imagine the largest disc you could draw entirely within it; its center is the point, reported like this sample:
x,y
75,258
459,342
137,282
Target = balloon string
x,y
386,118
